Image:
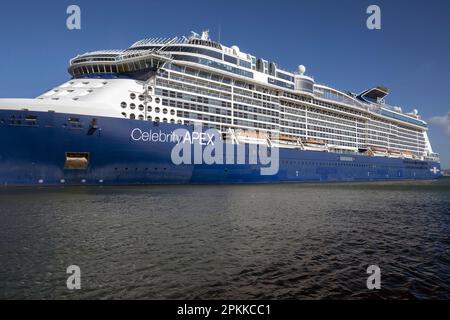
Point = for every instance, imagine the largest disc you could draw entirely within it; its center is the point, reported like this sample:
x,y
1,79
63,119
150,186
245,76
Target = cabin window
x,y
230,59
31,119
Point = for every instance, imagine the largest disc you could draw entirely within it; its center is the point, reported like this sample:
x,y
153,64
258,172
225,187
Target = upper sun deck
x,y
154,53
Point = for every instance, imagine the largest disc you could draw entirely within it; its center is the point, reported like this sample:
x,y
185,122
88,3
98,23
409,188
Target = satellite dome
x,y
301,69
236,49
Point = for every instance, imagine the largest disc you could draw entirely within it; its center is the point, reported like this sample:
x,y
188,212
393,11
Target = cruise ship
x,y
142,115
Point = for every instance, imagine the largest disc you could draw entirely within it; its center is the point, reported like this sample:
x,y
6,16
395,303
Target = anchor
x,y
93,127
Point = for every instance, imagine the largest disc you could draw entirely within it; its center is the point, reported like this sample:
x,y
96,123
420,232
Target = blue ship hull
x,y
33,148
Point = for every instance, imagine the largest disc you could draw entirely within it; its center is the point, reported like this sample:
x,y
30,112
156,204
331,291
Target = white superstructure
x,y
187,80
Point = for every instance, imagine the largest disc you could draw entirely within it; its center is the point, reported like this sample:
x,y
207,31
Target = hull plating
x,y
33,152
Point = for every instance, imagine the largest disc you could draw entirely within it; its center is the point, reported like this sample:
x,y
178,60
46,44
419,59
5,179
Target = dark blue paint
x,y
31,151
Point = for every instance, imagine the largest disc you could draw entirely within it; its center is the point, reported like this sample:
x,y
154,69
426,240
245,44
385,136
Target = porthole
x,y
165,120
172,112
133,96
165,111
149,109
172,121
157,119
149,118
141,107
141,117
132,116
123,104
157,100
157,109
124,114
180,122
132,106
149,99
141,97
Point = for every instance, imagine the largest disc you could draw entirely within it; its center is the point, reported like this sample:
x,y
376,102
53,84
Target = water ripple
x,y
300,241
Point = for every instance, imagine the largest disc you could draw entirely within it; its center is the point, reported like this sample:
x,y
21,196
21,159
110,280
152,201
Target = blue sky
x,y
410,54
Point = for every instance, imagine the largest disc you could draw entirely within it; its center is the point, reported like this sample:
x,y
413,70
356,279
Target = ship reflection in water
x,y
297,241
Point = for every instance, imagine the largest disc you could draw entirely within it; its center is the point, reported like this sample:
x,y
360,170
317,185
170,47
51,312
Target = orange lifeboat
x,y
312,141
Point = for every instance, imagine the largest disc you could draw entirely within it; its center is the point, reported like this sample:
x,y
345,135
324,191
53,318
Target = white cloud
x,y
443,122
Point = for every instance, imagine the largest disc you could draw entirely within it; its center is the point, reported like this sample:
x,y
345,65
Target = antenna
x,y
194,35
220,30
205,35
